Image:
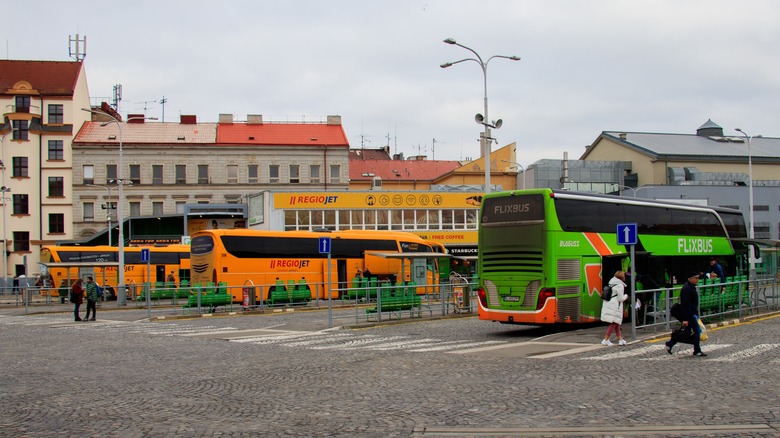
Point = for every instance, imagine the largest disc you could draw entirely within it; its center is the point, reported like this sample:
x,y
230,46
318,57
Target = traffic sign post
x,y
627,235
324,248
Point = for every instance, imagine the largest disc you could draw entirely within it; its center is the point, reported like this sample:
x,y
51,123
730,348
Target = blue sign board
x,y
145,255
626,234
324,245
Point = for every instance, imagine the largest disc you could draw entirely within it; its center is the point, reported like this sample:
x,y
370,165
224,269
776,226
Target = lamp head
x,y
514,58
450,41
498,123
446,64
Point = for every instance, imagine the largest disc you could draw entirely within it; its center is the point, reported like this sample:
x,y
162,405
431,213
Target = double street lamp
x,y
122,293
486,140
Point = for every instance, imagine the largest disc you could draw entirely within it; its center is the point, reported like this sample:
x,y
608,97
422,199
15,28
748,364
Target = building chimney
x,y
334,120
189,119
254,119
226,118
135,118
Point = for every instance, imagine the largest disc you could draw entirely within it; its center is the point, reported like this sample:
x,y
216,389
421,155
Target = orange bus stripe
x,y
598,244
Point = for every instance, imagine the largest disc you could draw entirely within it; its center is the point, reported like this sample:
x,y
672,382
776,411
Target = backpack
x,y
99,291
606,292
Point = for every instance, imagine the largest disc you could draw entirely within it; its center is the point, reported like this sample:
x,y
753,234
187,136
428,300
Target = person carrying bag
x,y
691,330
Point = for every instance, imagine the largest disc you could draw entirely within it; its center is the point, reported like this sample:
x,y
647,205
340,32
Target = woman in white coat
x,y
612,310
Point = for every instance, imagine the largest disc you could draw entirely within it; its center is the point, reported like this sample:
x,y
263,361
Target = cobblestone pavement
x,y
288,375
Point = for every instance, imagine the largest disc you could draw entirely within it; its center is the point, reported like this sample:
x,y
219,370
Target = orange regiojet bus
x,y
242,257
68,262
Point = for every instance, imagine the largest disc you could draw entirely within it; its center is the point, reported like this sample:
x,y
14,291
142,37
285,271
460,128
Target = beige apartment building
x,y
169,166
41,105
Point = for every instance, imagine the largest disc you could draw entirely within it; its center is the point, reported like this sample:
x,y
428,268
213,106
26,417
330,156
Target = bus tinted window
x,y
201,245
155,258
296,247
603,217
87,256
513,209
735,224
414,247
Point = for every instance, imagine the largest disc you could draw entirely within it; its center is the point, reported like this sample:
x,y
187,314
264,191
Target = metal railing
x,y
717,301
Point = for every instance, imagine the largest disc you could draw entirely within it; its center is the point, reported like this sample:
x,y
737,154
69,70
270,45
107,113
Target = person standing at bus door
x,y
716,268
92,299
612,310
171,279
689,301
77,298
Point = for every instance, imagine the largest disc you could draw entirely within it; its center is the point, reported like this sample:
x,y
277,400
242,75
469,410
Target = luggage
x,y
684,335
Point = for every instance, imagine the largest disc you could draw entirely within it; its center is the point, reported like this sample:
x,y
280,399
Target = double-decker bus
x,y
544,253
66,263
239,257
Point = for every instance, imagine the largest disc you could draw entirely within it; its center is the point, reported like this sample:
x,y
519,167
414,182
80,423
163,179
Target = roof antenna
x,y
77,54
163,101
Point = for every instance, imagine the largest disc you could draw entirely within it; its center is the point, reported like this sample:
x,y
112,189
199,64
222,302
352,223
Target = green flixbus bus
x,y
543,253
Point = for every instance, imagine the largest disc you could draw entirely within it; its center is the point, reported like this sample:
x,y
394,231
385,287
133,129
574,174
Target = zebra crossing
x,y
340,340
350,341
716,352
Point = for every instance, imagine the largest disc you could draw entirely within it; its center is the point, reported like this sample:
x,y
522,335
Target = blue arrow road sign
x,y
626,234
324,245
144,255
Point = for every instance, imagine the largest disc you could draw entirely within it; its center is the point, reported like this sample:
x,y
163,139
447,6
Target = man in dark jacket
x,y
689,301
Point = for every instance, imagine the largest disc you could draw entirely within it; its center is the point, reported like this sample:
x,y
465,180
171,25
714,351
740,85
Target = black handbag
x,y
684,335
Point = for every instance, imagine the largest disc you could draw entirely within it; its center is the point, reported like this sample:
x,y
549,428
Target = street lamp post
x,y
751,232
520,166
108,208
486,140
122,293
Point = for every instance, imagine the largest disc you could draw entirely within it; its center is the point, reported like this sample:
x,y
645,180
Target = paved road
x,y
289,375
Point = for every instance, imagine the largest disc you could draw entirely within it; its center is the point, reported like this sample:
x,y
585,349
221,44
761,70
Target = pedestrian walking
x,y
612,310
77,298
92,299
689,303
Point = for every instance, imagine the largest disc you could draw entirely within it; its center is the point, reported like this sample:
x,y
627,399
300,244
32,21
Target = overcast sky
x,y
587,66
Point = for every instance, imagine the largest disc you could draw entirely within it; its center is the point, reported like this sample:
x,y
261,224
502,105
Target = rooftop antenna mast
x,y
395,140
117,96
163,101
433,149
78,53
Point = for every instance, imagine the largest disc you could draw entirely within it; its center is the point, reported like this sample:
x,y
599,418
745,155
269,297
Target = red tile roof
x,y
282,134
400,170
148,132
48,78
369,154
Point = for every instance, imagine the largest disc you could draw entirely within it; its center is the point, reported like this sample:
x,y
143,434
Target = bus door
x,y
159,273
341,269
